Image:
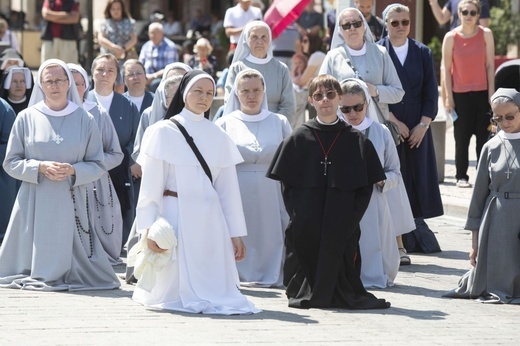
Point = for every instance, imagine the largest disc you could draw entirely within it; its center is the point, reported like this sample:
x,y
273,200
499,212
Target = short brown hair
x,y
327,81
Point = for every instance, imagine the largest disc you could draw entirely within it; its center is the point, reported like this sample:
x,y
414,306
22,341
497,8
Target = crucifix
x,y
325,163
57,138
508,172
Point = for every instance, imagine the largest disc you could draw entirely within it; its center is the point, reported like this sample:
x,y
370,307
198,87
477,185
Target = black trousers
x,y
473,119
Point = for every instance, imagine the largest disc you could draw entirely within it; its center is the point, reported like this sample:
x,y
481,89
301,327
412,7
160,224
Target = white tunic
x,y
257,137
203,278
379,252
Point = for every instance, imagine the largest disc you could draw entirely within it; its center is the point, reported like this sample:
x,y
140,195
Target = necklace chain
x,y
57,138
509,158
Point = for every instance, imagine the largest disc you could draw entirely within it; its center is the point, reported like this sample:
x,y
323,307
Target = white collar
x,y
69,108
360,52
505,135
264,113
332,123
88,105
17,102
189,115
365,124
258,61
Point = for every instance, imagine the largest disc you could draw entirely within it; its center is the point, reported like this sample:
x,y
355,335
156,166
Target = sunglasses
x,y
508,117
404,22
348,109
472,13
330,95
356,25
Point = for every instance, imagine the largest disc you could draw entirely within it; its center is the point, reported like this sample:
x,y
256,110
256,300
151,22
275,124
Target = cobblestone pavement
x,y
418,314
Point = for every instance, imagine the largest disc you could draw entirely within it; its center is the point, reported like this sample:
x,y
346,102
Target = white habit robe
x,y
203,277
104,205
257,137
49,244
387,212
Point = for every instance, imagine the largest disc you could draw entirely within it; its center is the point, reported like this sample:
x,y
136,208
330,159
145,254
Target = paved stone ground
x,y
418,314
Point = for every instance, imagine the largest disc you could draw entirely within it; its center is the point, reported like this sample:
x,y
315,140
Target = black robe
x,y
322,267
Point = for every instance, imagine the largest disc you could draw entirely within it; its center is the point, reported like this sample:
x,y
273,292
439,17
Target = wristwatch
x,y
423,124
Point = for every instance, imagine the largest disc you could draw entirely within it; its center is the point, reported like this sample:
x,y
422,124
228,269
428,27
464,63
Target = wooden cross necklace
x,y
326,162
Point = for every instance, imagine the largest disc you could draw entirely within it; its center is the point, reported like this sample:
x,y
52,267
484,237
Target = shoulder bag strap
x,y
193,147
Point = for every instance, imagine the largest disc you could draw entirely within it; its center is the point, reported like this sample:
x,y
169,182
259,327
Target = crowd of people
x,y
129,159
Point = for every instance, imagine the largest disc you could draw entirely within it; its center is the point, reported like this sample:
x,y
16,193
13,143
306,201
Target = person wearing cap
x,y
55,149
236,19
493,217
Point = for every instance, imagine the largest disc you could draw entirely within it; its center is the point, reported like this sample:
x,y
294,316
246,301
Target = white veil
x,y
371,114
337,38
233,103
87,104
38,95
243,50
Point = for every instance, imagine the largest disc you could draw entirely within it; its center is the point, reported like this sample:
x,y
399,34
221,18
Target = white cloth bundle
x,y
147,262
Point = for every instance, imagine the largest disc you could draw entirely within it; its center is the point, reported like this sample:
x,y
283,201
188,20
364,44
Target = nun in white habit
x,y
205,212
55,149
255,50
104,207
257,133
389,211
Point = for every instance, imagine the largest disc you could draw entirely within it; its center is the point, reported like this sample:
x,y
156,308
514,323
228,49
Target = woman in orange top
x,y
467,55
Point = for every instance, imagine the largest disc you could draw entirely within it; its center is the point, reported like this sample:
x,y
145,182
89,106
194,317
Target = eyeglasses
x,y
348,109
57,82
330,95
472,13
508,117
356,25
134,75
404,22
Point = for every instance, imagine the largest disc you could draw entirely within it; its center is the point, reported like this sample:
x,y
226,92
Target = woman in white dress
x,y
55,149
257,133
255,50
204,209
379,226
105,210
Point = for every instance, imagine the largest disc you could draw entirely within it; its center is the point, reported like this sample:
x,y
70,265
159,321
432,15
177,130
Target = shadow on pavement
x,y
432,269
396,311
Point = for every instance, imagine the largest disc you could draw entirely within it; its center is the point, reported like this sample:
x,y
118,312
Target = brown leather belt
x,y
170,193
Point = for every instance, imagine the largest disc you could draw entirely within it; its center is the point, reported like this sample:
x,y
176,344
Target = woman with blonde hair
x,y
203,59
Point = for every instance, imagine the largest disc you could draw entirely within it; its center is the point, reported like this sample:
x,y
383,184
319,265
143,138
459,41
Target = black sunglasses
x,y
508,117
348,109
356,24
404,22
472,13
331,95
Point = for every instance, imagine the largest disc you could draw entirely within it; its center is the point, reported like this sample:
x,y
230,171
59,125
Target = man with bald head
x,y
375,23
155,54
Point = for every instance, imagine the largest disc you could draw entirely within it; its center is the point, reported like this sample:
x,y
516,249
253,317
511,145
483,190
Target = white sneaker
x,y
463,183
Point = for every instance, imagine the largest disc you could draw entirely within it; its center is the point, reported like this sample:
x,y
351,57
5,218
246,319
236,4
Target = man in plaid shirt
x,y
155,54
